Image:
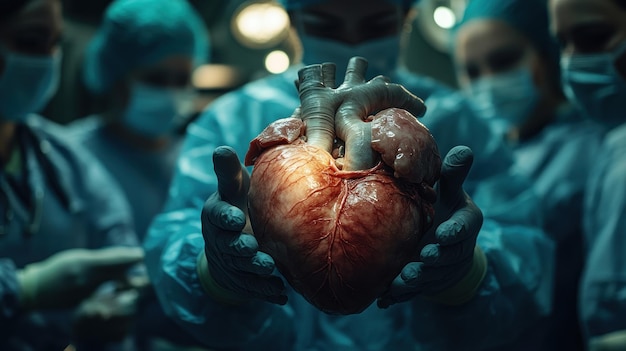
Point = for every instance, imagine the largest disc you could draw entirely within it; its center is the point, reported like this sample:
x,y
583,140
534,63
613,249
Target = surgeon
x,y
212,280
592,35
141,59
59,208
507,63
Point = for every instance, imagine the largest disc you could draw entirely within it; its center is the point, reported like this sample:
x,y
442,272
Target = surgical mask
x,y
592,83
156,111
27,83
504,100
381,54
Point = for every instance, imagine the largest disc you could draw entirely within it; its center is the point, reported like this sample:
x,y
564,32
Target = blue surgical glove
x,y
231,269
64,279
614,341
452,266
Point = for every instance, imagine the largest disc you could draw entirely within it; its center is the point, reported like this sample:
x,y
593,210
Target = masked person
x,y
59,206
212,280
592,35
508,65
142,57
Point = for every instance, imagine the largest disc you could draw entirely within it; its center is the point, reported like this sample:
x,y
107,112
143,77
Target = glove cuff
x,y
466,288
27,279
612,341
210,286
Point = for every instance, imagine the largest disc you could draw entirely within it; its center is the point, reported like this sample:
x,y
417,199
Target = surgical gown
x,y
603,288
558,159
514,294
144,175
54,197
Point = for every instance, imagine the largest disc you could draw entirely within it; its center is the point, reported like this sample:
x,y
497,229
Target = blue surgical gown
x,y
514,294
144,175
558,160
54,197
602,302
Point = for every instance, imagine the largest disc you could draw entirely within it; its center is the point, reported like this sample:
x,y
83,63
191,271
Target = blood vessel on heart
x,y
341,192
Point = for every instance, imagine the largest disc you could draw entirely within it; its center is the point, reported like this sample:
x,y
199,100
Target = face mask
x,y
592,83
155,111
504,100
27,83
381,54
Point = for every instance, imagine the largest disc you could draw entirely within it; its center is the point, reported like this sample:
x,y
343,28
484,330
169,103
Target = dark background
x,y
83,17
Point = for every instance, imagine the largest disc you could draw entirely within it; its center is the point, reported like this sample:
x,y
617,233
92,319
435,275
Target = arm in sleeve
x,y
108,213
602,300
174,242
513,297
452,122
9,294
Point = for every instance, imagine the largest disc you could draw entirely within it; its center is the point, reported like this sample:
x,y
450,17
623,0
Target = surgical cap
x,y
298,4
138,33
529,17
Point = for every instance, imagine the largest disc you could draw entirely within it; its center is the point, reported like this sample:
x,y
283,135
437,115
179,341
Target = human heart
x,y
340,198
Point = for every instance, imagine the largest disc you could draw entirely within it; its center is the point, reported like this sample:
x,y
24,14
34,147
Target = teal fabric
x,y
529,17
137,33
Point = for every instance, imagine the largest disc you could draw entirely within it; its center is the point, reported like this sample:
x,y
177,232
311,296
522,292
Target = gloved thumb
x,y
112,262
456,165
232,179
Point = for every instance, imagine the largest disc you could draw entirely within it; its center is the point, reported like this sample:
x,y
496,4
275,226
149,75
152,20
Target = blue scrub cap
x,y
298,4
137,33
529,17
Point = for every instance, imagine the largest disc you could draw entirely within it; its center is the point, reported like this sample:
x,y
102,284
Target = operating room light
x,y
276,61
260,25
444,17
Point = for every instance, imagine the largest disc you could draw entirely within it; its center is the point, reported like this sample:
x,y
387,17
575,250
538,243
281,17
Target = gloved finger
x,y
434,279
463,225
116,256
402,287
232,178
112,263
220,215
260,264
241,245
435,255
456,165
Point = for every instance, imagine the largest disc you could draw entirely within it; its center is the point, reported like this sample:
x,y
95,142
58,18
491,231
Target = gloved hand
x,y
66,278
105,316
614,341
452,266
232,270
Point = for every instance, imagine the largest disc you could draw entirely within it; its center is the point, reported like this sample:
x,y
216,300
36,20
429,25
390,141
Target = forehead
x,y
174,63
477,38
565,13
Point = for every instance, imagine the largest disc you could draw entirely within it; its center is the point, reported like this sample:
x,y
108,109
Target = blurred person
x,y
592,36
142,57
212,280
59,206
508,65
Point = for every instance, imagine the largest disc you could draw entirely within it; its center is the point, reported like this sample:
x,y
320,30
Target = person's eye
x,y
506,59
319,25
384,22
591,38
36,42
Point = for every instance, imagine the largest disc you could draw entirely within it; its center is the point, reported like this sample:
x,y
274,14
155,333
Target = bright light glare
x,y
261,23
276,61
444,17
